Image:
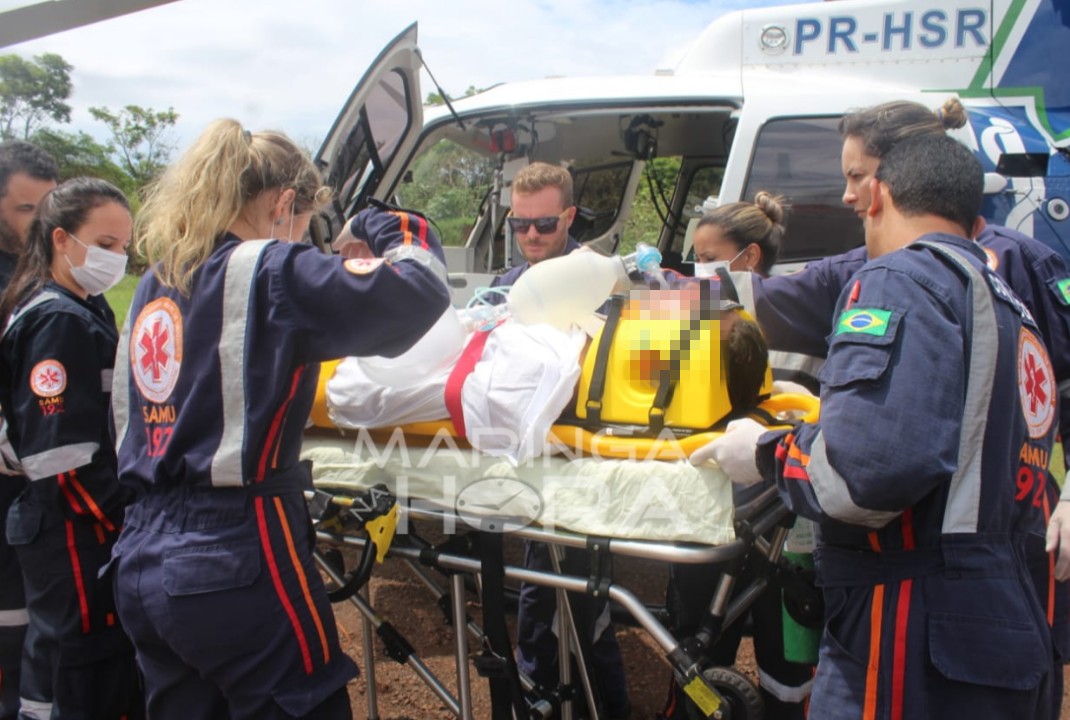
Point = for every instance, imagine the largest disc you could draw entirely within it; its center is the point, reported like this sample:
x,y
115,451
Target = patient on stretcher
x,y
676,361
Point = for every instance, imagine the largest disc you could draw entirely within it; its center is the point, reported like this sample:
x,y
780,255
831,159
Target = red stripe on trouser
x,y
302,580
906,523
280,589
899,656
79,583
90,503
71,499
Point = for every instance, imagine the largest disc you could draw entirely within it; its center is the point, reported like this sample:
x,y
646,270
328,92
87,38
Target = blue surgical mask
x,y
709,269
100,271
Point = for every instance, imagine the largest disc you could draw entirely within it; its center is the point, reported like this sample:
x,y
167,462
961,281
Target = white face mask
x,y
709,269
101,270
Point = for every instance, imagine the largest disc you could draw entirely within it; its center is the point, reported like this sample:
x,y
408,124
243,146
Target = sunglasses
x,y
543,225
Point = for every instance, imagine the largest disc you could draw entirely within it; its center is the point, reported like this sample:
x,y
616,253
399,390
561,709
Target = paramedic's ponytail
x,y
951,114
201,195
759,223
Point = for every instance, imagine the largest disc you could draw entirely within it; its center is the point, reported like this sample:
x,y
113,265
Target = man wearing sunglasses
x,y
541,215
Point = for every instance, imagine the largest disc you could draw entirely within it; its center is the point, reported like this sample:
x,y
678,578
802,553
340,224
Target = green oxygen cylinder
x,y
800,642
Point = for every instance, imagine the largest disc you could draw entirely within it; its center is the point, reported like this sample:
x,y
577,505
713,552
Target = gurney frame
x,y
761,526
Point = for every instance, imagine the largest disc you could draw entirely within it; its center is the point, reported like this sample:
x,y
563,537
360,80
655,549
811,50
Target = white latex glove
x,y
734,451
1059,538
349,245
787,387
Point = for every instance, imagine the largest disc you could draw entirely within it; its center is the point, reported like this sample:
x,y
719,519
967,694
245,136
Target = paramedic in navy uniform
x,y
796,313
739,236
26,173
540,217
56,360
217,368
932,402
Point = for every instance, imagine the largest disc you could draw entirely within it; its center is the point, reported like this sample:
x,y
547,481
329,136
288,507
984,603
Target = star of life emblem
x,y
48,378
1036,384
156,349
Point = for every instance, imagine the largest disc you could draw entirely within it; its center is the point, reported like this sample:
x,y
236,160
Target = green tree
x,y
648,214
141,139
33,92
79,154
448,183
435,98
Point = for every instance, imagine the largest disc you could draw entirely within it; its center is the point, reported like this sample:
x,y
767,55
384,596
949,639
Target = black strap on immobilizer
x,y
497,663
598,376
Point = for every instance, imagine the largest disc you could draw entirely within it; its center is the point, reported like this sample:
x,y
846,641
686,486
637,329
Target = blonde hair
x,y
882,126
759,223
201,195
538,175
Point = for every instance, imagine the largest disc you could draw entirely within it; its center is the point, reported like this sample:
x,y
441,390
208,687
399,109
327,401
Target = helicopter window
x,y
598,192
800,159
448,182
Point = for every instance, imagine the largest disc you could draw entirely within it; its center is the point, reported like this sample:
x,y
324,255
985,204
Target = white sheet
x,y
648,500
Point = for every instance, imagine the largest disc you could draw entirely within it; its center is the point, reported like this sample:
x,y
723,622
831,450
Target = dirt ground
x,y
400,598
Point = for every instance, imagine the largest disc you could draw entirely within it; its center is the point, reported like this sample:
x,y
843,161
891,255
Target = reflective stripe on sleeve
x,y
34,709
832,492
419,255
792,362
106,377
237,286
1064,390
120,396
42,298
18,617
61,459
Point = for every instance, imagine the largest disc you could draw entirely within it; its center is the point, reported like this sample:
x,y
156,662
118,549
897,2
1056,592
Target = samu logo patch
x,y
48,378
1036,384
156,349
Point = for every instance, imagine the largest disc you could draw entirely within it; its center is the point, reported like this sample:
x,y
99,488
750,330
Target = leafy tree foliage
x,y
33,92
435,98
140,139
448,183
79,154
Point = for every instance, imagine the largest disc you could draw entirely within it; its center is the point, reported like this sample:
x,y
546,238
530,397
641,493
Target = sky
x,y
291,65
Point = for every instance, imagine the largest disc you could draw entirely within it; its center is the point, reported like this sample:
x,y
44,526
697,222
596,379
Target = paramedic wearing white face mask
x,y
57,355
741,237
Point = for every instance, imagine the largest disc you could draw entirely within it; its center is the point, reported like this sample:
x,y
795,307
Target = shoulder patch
x,y
156,349
867,321
362,266
48,378
990,259
1036,384
1062,289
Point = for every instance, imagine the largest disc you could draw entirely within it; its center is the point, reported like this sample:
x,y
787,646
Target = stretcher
x,y
590,496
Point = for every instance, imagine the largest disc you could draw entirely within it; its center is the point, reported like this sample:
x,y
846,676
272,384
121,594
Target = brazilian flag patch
x,y
867,321
1064,289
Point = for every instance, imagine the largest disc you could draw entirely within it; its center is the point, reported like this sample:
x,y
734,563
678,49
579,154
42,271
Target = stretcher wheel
x,y
741,696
